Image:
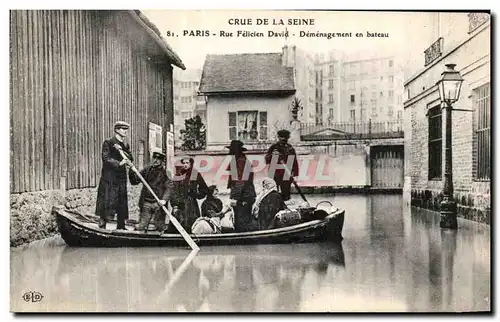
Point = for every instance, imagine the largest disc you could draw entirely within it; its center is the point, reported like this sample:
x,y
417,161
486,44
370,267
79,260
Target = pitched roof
x,y
156,34
236,73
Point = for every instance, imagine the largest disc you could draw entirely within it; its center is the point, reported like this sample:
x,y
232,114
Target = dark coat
x,y
112,189
269,207
185,194
158,179
241,188
285,150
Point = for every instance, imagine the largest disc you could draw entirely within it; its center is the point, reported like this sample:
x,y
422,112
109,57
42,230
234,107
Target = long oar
x,y
177,225
295,183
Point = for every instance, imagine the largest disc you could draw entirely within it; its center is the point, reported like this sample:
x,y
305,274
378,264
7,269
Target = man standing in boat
x,y
112,190
159,180
281,153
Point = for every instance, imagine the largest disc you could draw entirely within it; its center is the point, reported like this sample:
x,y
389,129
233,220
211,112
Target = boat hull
x,y
78,233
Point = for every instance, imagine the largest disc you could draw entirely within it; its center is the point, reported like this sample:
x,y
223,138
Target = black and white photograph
x,y
244,161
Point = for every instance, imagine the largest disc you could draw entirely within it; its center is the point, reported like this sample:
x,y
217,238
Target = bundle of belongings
x,y
216,217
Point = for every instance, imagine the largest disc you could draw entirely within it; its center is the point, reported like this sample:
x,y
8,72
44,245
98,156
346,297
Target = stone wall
x,y
469,206
31,216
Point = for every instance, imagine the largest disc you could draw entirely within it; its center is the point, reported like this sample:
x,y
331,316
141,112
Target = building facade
x,y
357,90
329,83
305,80
462,39
248,98
73,74
187,102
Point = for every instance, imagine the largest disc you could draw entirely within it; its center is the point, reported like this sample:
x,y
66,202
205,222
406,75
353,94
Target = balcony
x,y
434,51
476,19
352,130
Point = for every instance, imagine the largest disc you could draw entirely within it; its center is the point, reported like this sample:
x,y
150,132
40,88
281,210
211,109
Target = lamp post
x,y
449,91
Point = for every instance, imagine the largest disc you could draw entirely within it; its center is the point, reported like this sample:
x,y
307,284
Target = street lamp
x,y
449,91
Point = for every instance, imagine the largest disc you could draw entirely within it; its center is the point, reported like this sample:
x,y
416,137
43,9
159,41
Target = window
x,y
391,93
353,115
374,111
330,98
374,95
435,143
400,114
352,99
248,125
263,125
330,114
391,63
330,83
391,80
186,99
352,85
381,94
482,133
331,70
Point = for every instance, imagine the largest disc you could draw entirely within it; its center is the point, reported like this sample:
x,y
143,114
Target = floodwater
x,y
392,259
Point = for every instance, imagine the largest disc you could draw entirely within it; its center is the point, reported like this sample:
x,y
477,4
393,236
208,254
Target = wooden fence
x,y
73,74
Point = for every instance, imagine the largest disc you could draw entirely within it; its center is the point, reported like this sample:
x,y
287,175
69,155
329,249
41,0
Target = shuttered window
x,y
248,126
435,143
482,133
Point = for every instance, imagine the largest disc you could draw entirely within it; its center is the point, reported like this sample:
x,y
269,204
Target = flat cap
x,y
121,125
159,155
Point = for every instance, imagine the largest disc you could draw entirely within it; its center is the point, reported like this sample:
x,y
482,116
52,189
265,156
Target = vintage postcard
x,y
250,161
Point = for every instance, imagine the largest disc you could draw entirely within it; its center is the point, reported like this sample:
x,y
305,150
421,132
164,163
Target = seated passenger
x,y
211,214
267,204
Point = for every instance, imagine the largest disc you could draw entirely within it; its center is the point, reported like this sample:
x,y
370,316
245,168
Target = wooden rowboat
x,y
81,230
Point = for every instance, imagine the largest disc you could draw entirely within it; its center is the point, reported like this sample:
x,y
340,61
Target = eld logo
x,y
32,296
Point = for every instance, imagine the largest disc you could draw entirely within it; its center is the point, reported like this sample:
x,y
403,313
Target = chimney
x,y
292,57
284,56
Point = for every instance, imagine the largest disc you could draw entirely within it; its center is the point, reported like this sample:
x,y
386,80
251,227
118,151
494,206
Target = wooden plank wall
x,y
73,74
387,163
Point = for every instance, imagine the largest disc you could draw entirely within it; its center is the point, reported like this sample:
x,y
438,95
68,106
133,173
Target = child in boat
x,y
157,177
212,211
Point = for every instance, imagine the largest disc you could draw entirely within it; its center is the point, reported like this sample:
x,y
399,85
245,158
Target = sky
x,y
404,29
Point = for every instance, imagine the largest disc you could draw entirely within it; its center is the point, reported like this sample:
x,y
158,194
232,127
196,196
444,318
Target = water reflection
x,y
216,279
392,259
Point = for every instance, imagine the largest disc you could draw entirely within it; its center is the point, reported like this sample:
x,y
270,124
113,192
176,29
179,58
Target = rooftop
x,y
244,73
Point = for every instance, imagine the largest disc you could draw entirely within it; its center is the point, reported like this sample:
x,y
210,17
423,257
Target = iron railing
x,y
352,130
